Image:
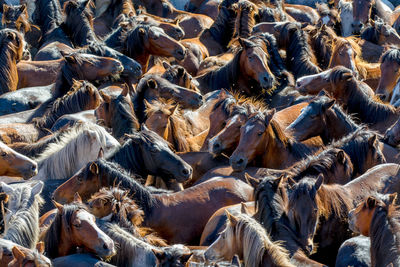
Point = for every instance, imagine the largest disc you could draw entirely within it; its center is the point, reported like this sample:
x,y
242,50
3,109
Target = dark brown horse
x,y
378,218
390,66
165,213
380,33
260,138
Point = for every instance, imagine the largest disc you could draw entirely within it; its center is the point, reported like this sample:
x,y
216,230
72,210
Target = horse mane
x,y
257,245
222,28
333,198
384,234
124,121
324,163
23,226
226,104
49,12
9,55
77,99
299,150
115,175
356,146
300,58
51,236
245,18
392,55
322,39
371,33
369,110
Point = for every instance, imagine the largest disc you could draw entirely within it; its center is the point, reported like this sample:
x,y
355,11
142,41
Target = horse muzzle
x,y
238,162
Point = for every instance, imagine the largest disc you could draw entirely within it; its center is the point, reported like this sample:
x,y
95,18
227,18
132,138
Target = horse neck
x,y
385,240
63,84
123,124
222,28
51,19
143,59
83,35
337,125
177,133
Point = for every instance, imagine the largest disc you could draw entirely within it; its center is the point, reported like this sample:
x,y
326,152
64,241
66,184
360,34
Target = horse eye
x,y
224,124
260,133
3,154
153,149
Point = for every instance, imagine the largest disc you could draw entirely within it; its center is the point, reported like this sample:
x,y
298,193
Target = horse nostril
x,y
200,97
185,171
34,167
105,246
216,145
240,161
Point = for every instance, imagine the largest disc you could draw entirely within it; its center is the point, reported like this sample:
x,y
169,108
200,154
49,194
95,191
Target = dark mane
x,y
371,33
298,150
9,56
47,14
322,45
357,147
322,163
52,234
300,59
133,41
125,121
384,234
222,28
367,109
245,18
76,100
226,104
114,175
392,55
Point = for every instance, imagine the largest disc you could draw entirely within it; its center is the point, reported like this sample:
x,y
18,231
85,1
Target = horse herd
x,y
234,133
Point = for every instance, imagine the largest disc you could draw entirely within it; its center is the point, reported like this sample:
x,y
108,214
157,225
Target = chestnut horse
x,y
248,71
168,214
356,97
390,70
261,139
15,164
379,218
14,255
75,227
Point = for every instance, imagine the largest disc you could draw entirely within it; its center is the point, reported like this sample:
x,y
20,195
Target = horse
x,y
392,135
152,86
179,75
218,193
248,71
117,113
245,18
246,237
74,149
21,219
170,26
271,201
146,153
262,133
390,63
15,164
353,95
354,252
345,9
72,227
10,53
378,218
380,33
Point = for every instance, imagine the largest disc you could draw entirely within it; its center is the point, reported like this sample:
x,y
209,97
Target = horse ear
x,y
185,257
142,31
158,253
37,188
6,188
393,198
5,8
371,202
40,247
18,254
3,197
70,59
371,140
22,8
341,157
245,43
231,218
347,76
143,127
319,181
278,181
235,261
59,206
152,83
101,153
105,97
251,180
166,65
268,115
244,209
94,168
329,104
77,198
173,109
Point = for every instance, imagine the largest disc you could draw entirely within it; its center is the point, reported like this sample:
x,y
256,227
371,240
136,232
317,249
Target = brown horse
x,y
355,96
15,17
378,218
15,164
170,26
12,45
246,13
390,70
247,238
247,72
381,34
14,255
158,208
313,203
40,73
260,139
346,52
179,75
75,227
